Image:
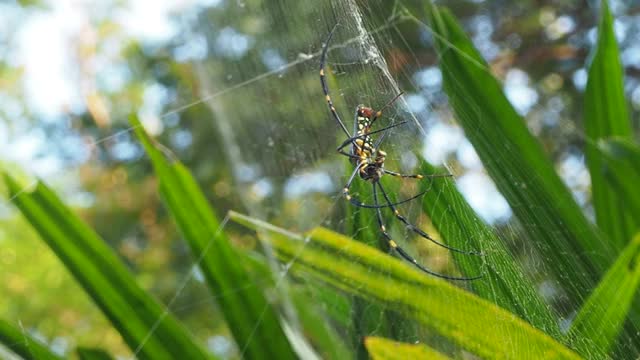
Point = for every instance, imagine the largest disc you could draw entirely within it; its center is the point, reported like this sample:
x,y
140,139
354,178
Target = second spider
x,y
368,160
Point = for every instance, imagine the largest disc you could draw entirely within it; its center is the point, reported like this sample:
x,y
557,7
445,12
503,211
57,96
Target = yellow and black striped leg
x,y
415,176
417,230
358,203
401,251
325,87
351,156
345,190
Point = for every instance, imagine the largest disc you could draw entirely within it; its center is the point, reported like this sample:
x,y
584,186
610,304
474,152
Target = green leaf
x,y
144,324
22,344
467,320
517,163
92,354
605,112
386,349
327,342
504,282
251,318
600,320
317,327
621,169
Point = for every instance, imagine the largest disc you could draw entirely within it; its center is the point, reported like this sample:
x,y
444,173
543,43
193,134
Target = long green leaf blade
x,y
309,305
471,322
518,164
92,354
251,318
143,322
504,282
602,316
605,112
621,169
384,349
23,344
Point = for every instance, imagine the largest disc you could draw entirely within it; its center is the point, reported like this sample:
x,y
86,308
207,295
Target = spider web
x,y
278,141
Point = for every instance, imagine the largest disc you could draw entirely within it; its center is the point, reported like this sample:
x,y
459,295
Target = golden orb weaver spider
x,y
368,159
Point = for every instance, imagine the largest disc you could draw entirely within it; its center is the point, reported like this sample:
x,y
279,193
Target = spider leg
x,y
357,203
376,147
403,253
377,115
416,230
415,176
354,201
323,81
345,190
350,140
351,156
379,112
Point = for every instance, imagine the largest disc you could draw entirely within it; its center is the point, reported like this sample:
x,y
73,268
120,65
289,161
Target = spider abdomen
x,y
371,162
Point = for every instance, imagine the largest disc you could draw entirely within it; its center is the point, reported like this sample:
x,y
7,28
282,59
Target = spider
x,y
368,160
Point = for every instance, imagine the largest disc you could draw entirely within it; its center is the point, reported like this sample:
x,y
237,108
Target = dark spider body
x,y
368,160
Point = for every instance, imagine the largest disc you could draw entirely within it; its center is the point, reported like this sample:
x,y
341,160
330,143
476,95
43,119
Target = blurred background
x,y
231,87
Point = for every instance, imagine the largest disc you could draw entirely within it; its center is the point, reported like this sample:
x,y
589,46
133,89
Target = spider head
x,y
363,117
365,112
